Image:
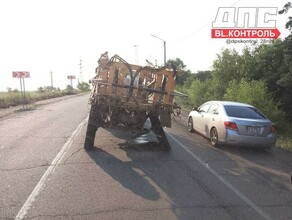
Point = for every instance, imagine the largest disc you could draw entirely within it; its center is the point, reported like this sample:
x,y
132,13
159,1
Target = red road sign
x,y
71,77
20,74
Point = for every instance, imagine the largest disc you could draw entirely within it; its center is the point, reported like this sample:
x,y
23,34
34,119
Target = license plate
x,y
253,130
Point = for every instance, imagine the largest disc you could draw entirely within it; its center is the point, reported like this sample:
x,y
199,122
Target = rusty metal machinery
x,y
124,95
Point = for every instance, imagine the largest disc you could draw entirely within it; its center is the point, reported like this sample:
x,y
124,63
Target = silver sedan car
x,y
232,123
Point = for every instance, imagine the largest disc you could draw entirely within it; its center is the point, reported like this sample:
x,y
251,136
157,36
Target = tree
x,y
69,90
203,75
285,10
41,89
179,66
83,87
227,67
198,91
284,81
272,63
50,89
255,93
177,62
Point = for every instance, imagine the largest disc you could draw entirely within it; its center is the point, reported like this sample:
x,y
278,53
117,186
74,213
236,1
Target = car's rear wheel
x,y
214,137
190,124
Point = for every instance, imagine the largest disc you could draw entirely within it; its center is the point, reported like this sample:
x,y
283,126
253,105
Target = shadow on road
x,y
155,175
124,173
147,171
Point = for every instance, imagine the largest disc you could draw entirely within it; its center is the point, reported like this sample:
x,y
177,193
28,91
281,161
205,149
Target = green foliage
x,y
83,87
272,63
69,90
202,75
227,67
199,92
41,89
47,89
284,140
8,99
268,60
179,65
185,78
177,62
285,9
255,93
182,78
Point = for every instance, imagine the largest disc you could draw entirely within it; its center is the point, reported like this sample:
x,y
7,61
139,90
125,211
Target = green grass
x,y
284,143
8,99
284,139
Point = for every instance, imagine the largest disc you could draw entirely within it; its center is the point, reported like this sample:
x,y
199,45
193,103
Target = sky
x,y
44,36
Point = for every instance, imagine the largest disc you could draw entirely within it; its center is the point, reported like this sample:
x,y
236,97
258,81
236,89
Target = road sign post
x,y
21,75
20,79
71,77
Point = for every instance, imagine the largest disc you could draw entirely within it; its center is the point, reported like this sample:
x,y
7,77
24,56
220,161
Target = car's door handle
x,y
213,119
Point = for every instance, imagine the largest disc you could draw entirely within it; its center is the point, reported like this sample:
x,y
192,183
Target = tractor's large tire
x,y
158,130
90,136
92,127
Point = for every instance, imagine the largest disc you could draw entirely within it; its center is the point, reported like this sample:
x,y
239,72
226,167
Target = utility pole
x,y
80,65
136,53
164,47
52,85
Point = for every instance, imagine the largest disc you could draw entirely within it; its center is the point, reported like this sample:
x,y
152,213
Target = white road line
x,y
26,206
224,181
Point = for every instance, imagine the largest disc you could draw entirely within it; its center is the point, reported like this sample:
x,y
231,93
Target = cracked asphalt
x,y
118,180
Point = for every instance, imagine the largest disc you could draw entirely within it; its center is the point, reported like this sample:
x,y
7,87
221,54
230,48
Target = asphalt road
x,y
46,174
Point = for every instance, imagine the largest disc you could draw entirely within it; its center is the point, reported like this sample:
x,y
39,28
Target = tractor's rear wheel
x,y
92,127
158,130
90,136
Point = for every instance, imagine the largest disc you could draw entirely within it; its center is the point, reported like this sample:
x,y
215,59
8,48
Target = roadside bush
x,y
255,93
203,91
69,90
83,87
198,92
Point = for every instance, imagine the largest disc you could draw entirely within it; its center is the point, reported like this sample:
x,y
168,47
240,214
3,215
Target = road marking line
x,y
26,206
224,181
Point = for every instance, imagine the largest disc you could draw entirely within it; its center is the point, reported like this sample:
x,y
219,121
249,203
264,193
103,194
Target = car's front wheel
x,y
190,124
214,137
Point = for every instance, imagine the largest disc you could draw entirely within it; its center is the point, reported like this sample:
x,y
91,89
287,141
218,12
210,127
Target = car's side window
x,y
204,108
213,109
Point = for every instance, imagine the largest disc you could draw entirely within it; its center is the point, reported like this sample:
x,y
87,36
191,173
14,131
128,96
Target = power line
x,y
201,28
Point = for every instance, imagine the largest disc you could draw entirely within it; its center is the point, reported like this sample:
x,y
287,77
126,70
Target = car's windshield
x,y
243,112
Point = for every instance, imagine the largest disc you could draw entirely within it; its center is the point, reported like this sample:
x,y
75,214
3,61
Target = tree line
x,y
260,75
